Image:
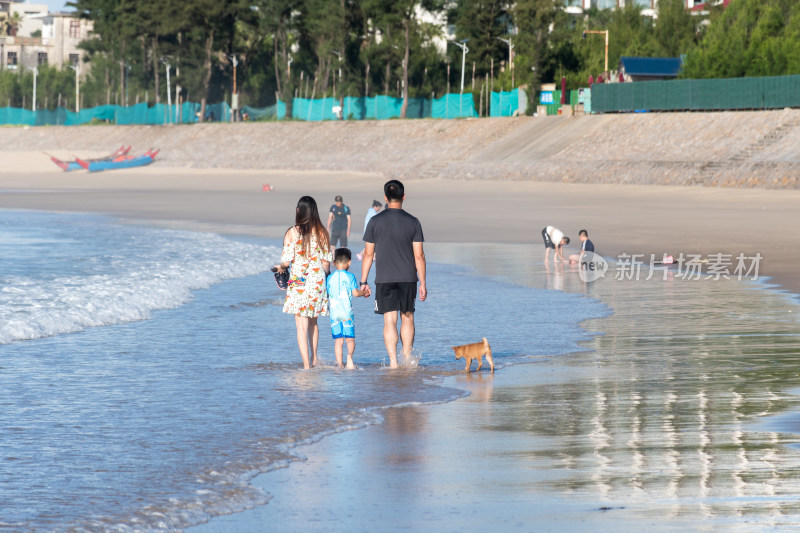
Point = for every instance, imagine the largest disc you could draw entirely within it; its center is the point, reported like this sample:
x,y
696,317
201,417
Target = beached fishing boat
x,y
125,161
68,166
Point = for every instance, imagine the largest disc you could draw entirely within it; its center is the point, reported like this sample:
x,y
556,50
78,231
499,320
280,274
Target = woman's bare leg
x,y
313,339
302,338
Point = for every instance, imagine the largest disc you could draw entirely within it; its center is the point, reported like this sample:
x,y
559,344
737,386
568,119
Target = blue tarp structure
x,y
651,67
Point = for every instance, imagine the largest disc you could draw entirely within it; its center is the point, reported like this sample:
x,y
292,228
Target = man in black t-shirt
x,y
397,237
339,224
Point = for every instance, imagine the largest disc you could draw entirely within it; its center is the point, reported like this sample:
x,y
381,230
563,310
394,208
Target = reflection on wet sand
x,y
665,415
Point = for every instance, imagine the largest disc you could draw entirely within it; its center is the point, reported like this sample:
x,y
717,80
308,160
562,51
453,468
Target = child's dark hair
x,y
376,203
342,255
583,232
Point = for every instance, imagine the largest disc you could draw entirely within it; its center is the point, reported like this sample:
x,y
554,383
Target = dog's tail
x,y
488,353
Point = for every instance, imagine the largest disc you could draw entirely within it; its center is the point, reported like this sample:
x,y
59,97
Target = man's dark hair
x,y
394,191
376,203
342,255
566,240
583,232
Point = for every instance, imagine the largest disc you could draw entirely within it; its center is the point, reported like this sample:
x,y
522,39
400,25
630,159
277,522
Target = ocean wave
x,y
162,277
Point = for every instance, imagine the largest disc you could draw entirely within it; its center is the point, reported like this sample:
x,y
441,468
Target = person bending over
x,y
554,239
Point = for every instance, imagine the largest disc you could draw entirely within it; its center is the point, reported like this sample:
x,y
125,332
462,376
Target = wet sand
x,y
664,422
620,218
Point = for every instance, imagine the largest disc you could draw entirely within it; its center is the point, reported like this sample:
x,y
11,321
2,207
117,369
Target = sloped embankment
x,y
745,149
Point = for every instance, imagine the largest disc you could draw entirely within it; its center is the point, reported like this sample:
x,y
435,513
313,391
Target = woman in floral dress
x,y
306,249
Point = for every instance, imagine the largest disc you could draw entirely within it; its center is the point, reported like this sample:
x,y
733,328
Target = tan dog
x,y
476,350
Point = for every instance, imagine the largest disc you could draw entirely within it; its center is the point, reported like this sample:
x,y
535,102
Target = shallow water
x,y
147,374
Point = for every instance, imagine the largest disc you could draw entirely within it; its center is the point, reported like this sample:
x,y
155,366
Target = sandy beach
x,y
620,218
655,425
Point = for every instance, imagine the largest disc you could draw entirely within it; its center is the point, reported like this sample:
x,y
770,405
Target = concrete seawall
x,y
744,149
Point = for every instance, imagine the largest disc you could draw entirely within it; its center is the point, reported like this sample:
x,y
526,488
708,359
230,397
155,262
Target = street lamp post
x,y
464,52
600,32
510,58
77,68
35,73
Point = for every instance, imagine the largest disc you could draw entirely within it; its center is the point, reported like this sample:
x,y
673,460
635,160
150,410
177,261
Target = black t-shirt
x,y
394,233
588,246
340,215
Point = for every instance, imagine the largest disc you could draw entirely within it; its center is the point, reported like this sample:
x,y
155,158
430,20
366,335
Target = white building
x,y
649,7
41,38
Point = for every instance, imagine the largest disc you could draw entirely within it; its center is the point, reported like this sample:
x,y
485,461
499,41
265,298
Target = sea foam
x,y
125,284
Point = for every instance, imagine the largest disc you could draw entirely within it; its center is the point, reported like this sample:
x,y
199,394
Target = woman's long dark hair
x,y
308,222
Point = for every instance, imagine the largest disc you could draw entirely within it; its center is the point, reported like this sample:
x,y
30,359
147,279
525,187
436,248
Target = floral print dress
x,y
306,295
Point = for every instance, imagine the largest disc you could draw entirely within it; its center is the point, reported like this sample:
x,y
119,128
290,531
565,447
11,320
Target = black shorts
x,y
395,297
547,242
340,236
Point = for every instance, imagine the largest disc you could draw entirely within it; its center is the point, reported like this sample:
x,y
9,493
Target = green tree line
x,y
316,48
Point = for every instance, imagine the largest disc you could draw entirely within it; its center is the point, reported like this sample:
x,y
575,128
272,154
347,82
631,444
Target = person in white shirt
x,y
554,238
371,212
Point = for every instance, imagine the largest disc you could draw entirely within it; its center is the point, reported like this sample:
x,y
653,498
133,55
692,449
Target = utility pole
x,y
35,73
77,68
510,58
339,55
235,96
601,32
169,94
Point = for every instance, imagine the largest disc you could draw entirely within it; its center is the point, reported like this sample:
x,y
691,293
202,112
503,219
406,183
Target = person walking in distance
x,y
339,224
397,237
371,212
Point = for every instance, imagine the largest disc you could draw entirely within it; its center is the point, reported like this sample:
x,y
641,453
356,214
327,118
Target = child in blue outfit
x,y
342,286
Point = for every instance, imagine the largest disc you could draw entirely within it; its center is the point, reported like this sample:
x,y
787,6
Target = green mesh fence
x,y
382,108
377,108
697,95
273,112
504,104
136,114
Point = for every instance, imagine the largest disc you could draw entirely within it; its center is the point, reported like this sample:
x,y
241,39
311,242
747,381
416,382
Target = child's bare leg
x,y
351,348
337,349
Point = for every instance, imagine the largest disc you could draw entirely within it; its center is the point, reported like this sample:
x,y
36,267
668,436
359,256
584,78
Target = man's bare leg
x,y
390,336
407,332
546,254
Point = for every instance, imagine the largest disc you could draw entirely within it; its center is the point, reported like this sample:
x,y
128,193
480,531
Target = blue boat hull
x,y
97,166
